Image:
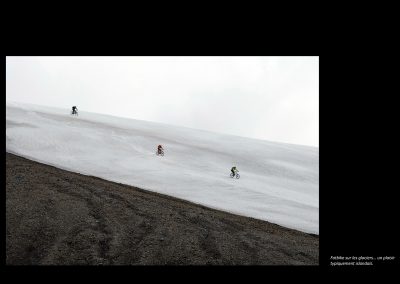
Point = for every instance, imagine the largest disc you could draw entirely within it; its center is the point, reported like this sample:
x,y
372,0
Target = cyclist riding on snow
x,y
74,110
234,170
160,149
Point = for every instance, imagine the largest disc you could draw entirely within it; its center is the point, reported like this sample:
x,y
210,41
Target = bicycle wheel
x,y
237,176
231,175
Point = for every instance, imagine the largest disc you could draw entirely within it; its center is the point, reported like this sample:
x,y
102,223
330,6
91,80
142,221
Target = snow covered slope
x,y
279,182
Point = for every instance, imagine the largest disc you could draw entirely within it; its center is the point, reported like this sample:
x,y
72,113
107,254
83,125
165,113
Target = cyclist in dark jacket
x,y
234,170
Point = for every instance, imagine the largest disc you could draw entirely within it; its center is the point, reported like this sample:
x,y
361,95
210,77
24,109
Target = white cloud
x,y
271,98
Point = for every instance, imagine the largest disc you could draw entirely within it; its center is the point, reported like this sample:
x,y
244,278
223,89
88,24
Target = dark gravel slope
x,y
59,217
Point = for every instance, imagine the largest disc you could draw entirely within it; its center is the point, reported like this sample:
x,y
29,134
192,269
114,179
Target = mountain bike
x,y
235,175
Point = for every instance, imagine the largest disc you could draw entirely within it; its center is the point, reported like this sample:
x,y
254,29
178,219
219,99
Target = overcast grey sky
x,y
269,98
